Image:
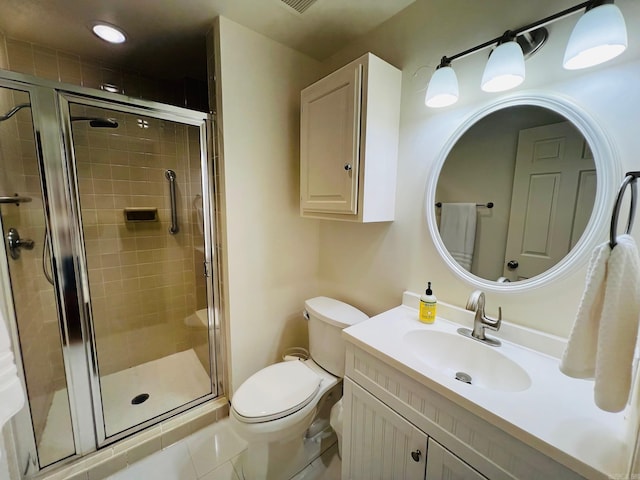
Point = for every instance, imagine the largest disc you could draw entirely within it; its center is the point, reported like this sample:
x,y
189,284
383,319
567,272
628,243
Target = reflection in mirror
x,y
538,171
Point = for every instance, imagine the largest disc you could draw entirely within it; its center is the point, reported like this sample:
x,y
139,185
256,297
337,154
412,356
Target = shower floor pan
x,y
169,382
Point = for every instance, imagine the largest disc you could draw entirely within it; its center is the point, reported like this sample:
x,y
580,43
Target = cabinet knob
x,y
416,454
512,264
348,167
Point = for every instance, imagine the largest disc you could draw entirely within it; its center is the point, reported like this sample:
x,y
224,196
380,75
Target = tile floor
x,y
213,454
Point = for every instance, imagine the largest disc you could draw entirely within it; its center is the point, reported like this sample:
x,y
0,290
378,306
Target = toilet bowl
x,y
274,409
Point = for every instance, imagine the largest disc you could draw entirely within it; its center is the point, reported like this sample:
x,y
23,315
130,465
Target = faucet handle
x,y
494,324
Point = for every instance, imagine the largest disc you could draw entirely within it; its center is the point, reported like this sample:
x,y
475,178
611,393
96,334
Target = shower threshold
x,y
169,382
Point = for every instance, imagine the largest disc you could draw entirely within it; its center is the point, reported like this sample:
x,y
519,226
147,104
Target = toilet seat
x,y
275,392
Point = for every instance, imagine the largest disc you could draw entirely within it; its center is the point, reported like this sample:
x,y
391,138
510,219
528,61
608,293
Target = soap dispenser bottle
x,y
428,304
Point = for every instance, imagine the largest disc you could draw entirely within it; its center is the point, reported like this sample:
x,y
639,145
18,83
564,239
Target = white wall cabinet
x,y
349,143
389,415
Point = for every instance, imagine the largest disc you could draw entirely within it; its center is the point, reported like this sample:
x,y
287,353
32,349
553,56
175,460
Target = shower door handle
x,y
15,243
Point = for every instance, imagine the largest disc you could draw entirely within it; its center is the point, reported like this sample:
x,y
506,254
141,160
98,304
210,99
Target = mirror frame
x,y
609,174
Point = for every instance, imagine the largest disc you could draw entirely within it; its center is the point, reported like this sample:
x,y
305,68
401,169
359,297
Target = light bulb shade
x,y
109,33
599,35
505,68
443,88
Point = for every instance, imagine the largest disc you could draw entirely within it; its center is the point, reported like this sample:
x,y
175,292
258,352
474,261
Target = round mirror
x,y
521,192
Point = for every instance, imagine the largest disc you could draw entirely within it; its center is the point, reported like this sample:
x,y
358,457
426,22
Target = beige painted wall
x,y
370,265
270,254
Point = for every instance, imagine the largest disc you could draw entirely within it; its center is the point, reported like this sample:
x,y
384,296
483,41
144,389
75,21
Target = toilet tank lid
x,y
334,311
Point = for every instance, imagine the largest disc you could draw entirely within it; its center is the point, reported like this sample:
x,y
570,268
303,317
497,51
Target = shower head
x,y
97,122
13,111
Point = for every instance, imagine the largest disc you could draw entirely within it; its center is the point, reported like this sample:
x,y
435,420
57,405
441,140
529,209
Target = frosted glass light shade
x,y
599,35
505,68
109,33
443,88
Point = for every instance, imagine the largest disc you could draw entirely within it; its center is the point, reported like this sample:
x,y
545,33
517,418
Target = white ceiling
x,y
166,37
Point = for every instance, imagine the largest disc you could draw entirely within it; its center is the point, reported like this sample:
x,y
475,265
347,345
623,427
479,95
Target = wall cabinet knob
x,y
347,167
512,264
416,454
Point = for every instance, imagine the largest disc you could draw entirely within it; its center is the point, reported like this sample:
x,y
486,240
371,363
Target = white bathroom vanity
x,y
407,416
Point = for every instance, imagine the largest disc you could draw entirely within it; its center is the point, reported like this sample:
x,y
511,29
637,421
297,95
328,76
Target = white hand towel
x,y
11,393
603,338
458,231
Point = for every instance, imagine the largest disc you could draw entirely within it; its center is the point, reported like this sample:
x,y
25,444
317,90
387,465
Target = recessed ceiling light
x,y
109,33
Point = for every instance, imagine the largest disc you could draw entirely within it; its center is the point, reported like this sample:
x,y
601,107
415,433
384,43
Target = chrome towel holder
x,y
488,204
629,180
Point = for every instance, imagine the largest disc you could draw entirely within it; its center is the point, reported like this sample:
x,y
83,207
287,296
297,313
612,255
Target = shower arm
x,y
13,111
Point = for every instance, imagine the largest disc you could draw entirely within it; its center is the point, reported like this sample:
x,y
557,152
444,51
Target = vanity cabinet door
x,y
444,465
379,443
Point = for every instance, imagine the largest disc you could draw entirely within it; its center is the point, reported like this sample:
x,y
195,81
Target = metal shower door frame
x,y
210,270
52,129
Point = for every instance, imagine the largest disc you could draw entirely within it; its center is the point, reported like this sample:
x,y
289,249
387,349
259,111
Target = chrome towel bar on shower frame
x,y
629,179
17,199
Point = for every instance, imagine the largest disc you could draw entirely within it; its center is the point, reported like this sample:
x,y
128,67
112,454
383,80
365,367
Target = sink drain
x,y
138,399
463,377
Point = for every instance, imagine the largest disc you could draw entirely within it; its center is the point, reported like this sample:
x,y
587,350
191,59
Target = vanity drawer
x,y
488,449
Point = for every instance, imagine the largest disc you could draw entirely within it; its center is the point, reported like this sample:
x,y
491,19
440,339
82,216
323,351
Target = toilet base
x,y
283,460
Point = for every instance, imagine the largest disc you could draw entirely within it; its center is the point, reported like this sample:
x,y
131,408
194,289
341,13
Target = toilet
x,y
274,409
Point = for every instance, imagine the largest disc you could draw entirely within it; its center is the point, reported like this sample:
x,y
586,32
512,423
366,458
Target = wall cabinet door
x,y
349,130
379,443
330,143
444,465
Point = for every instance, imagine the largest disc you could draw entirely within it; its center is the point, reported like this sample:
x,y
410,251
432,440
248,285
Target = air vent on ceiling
x,y
299,6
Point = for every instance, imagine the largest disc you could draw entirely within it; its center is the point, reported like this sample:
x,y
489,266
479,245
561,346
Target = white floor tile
x,y
172,463
214,445
223,472
327,467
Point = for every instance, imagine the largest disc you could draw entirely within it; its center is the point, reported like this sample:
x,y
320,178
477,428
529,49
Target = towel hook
x,y
629,179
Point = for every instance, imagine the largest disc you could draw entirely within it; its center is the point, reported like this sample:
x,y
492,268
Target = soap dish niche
x,y
140,214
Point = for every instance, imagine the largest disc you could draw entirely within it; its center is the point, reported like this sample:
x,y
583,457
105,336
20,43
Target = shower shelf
x,y
17,199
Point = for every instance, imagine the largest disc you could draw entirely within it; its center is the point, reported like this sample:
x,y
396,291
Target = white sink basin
x,y
467,360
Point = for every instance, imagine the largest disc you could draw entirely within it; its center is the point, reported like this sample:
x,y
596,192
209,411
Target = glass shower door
x,y
140,198
32,291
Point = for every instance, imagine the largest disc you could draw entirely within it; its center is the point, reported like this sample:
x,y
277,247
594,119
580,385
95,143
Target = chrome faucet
x,y
475,303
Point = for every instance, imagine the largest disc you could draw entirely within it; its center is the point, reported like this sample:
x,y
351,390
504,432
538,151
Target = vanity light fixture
x,y
599,35
505,67
109,33
443,87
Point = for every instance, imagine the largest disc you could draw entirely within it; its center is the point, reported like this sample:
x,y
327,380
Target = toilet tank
x,y
327,317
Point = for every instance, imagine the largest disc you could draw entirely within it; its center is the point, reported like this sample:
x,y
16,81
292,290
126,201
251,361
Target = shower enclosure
x,y
108,274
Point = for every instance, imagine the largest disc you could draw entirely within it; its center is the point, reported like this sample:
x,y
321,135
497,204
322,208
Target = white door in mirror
x,y
553,185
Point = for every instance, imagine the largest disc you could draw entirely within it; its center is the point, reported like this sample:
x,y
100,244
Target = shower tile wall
x,y
144,281
33,296
43,62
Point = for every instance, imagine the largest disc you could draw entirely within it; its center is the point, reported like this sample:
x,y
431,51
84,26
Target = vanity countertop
x,y
556,415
